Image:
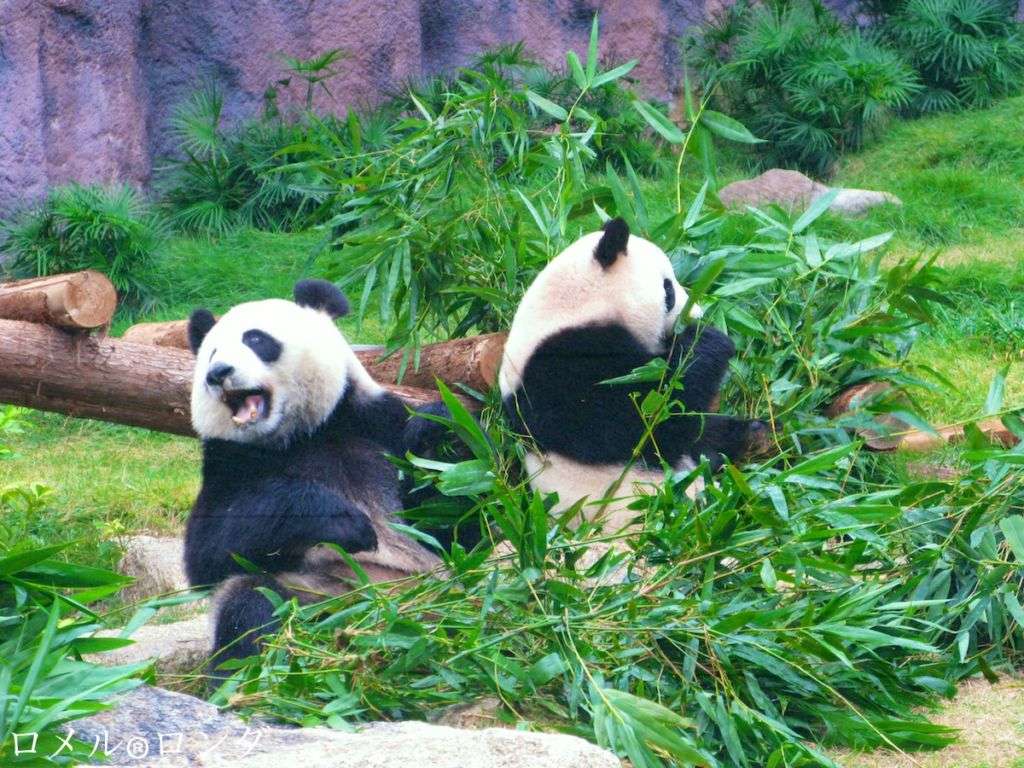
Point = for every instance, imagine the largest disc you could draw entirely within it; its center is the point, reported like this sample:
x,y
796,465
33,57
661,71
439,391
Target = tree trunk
x,y
101,378
472,362
76,300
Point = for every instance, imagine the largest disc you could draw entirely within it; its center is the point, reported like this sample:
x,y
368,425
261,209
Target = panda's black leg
x,y
243,616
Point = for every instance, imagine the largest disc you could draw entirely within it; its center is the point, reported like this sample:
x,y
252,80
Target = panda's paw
x,y
423,436
760,438
352,531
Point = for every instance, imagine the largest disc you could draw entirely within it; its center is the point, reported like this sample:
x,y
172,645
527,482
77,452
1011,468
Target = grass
x,y
958,174
106,481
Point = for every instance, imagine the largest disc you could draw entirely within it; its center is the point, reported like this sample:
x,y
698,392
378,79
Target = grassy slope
x,y
961,177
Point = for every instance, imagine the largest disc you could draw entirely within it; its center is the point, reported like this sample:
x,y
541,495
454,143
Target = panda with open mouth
x,y
295,435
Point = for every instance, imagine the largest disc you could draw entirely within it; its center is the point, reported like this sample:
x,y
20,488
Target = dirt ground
x,y
991,723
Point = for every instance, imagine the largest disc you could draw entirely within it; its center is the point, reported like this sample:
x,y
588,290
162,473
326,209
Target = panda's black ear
x,y
322,295
612,243
199,324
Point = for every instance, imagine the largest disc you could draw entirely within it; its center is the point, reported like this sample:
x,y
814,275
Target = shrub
x,y
238,177
111,230
798,79
967,52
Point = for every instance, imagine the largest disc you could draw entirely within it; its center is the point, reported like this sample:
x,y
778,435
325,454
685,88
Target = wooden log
x,y
79,300
172,334
901,437
472,361
108,379
921,442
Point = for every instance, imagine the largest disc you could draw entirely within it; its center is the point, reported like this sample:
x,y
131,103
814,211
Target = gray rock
x,y
156,563
793,191
178,648
790,190
857,202
154,727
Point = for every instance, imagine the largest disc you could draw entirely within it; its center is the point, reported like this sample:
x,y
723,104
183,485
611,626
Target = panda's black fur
x,y
564,407
272,502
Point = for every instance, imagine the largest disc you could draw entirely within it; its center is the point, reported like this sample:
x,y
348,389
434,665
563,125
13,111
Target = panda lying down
x,y
294,435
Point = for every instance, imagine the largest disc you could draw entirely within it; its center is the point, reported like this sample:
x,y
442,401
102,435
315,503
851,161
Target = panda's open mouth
x,y
247,405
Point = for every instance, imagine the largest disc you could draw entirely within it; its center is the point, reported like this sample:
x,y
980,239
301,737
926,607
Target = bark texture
x,y
101,378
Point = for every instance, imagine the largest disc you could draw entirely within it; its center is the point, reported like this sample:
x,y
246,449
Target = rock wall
x,y
87,86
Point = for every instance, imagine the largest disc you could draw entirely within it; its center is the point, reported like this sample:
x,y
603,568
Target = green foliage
x,y
967,52
231,177
816,598
111,230
45,626
811,599
796,77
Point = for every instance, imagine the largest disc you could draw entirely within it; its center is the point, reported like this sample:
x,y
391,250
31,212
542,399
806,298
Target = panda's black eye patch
x,y
670,295
266,347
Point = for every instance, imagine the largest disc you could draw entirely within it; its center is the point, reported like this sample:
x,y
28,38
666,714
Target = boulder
x,y
792,191
787,189
154,727
157,564
178,648
857,202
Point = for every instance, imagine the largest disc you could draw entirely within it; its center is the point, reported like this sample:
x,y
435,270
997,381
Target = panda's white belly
x,y
572,481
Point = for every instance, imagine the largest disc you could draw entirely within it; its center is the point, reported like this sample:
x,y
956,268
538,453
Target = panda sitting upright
x,y
294,436
602,308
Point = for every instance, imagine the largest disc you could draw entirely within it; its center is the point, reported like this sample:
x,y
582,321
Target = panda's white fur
x,y
573,290
305,383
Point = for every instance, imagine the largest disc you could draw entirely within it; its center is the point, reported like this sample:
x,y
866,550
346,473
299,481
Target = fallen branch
x,y
108,379
472,361
78,300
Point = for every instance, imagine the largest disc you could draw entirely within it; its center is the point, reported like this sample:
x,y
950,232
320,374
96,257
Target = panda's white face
x,y
637,290
269,371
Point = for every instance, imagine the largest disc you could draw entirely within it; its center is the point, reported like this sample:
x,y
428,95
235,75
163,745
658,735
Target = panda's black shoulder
x,y
379,416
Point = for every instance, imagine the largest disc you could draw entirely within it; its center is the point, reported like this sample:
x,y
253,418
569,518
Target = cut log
x,y
472,362
898,435
78,300
170,334
108,379
921,442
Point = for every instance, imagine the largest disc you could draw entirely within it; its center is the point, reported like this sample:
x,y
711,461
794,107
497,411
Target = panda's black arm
x,y
704,353
271,524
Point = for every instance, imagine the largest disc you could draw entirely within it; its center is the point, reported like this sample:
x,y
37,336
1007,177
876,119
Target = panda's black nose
x,y
217,373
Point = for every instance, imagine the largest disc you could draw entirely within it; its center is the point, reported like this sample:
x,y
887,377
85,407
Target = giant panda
x,y
294,435
602,308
